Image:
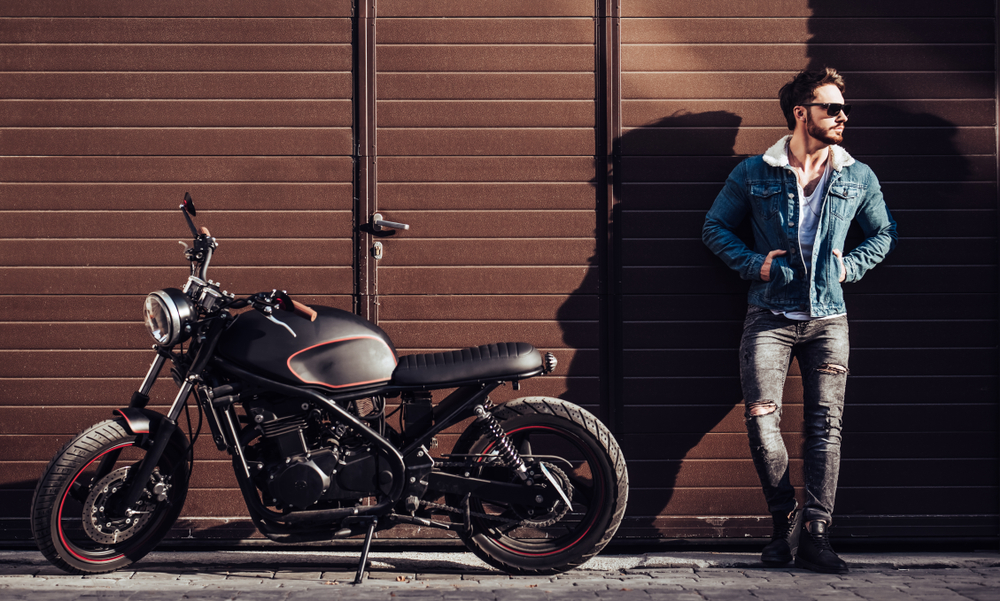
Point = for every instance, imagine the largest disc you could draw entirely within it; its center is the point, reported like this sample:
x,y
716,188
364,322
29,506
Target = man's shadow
x,y
666,397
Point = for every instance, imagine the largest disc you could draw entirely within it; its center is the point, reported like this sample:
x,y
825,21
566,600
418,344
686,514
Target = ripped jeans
x,y
821,346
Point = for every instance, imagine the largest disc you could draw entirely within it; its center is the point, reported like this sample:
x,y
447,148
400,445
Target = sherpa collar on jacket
x,y
777,155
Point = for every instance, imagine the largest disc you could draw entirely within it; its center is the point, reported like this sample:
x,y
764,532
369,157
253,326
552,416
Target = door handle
x,y
378,224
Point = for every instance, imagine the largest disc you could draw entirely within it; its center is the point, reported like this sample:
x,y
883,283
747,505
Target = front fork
x,y
166,427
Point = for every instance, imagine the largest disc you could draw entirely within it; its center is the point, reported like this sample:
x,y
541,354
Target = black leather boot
x,y
815,552
784,539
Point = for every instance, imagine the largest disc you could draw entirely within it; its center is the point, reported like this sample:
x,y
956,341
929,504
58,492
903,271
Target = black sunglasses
x,y
832,108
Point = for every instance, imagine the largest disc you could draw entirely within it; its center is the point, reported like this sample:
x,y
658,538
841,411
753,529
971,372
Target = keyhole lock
x,y
377,250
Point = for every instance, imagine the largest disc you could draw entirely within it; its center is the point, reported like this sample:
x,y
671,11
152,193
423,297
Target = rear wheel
x,y
76,516
580,454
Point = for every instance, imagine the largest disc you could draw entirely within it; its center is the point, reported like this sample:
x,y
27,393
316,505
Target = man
x,y
801,196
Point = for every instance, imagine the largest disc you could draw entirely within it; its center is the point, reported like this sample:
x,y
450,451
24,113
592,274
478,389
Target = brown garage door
x,y
110,112
485,129
700,82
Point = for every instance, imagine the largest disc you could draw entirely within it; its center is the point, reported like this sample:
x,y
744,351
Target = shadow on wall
x,y
658,223
906,128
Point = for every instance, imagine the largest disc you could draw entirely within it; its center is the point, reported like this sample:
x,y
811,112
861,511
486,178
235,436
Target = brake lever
x,y
282,324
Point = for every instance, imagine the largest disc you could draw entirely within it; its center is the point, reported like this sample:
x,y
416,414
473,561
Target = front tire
x,y
583,452
72,513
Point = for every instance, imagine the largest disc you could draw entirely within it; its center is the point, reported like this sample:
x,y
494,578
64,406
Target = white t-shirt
x,y
810,209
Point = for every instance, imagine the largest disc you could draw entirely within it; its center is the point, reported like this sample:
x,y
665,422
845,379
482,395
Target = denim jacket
x,y
765,186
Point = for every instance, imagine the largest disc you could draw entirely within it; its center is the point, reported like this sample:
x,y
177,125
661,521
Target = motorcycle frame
x,y
411,466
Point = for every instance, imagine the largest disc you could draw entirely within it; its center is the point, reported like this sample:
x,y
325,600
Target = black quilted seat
x,y
488,362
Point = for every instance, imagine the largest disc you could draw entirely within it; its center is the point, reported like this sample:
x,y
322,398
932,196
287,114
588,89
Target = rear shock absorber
x,y
504,447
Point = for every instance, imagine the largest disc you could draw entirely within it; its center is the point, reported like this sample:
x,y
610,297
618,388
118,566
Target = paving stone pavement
x,y
460,576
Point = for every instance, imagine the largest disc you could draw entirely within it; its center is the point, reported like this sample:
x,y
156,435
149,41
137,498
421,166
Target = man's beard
x,y
828,136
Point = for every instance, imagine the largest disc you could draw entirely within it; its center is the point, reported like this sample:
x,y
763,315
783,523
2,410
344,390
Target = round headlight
x,y
168,316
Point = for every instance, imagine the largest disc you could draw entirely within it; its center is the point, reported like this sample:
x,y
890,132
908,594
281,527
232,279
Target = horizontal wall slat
x,y
181,8
665,140
799,8
881,57
866,86
398,30
497,113
78,30
485,169
941,223
700,307
891,279
50,253
753,29
210,197
486,280
485,58
179,141
911,251
485,8
177,169
878,389
182,86
928,333
490,224
947,112
160,224
176,113
948,168
915,500
918,194
856,446
485,251
141,280
541,307
485,142
484,86
873,473
109,307
107,57
485,196
860,418
443,334
882,361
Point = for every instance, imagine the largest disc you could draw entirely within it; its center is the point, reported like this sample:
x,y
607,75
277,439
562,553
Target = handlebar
x,y
304,311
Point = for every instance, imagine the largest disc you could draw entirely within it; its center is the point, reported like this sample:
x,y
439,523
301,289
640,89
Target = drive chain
x,y
461,511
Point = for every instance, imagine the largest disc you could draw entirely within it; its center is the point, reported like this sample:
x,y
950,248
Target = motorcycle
x,y
298,397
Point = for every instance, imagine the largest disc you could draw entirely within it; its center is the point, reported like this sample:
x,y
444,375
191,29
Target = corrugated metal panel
x,y
106,122
700,88
486,148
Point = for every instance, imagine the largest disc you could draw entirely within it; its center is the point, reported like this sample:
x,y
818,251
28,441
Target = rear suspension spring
x,y
504,447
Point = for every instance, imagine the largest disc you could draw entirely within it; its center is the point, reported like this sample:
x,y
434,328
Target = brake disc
x,y
98,522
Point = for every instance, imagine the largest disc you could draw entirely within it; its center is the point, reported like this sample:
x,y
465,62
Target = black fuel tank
x,y
339,350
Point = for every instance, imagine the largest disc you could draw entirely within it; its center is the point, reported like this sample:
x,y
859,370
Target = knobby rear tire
x,y
576,539
54,532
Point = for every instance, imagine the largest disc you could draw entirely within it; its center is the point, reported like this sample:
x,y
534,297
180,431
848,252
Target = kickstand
x,y
364,551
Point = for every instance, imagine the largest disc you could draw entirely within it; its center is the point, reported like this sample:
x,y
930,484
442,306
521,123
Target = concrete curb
x,y
899,561
460,562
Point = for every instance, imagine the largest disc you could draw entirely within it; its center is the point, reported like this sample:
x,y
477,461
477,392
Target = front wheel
x,y
581,454
76,516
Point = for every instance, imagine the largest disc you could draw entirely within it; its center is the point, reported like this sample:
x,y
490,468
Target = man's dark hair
x,y
802,90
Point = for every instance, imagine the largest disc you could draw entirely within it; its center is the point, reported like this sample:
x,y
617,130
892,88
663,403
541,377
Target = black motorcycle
x,y
298,397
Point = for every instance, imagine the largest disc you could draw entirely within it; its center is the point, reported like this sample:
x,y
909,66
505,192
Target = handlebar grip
x,y
304,311
205,231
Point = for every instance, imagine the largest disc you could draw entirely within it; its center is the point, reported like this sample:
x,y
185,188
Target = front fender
x,y
136,420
